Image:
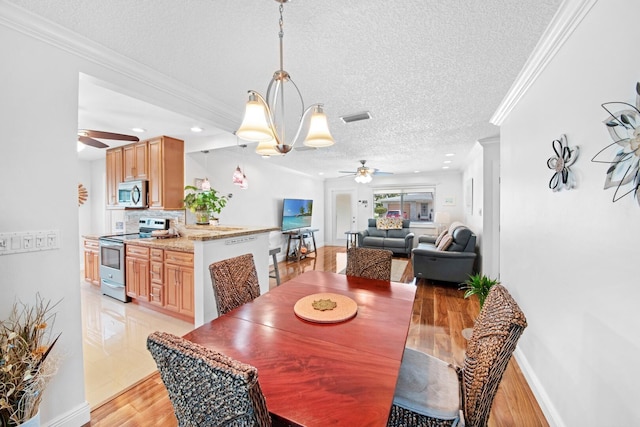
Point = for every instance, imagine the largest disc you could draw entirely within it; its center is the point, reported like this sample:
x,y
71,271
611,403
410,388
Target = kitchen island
x,y
177,279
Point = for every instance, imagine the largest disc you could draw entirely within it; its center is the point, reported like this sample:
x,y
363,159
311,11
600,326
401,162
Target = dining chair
x,y
207,388
431,392
234,281
369,263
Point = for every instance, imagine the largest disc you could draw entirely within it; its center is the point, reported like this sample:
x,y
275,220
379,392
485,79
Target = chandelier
x,y
264,118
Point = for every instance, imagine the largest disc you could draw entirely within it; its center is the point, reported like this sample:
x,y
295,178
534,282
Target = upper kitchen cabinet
x,y
159,160
114,175
166,173
136,161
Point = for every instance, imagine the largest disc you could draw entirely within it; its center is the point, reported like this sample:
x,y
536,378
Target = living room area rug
x,y
397,266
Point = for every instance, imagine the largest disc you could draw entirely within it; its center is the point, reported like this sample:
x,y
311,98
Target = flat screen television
x,y
296,213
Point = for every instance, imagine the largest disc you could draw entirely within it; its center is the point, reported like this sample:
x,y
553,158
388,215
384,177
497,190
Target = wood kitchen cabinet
x,y
136,161
156,274
92,262
178,277
137,272
166,173
114,175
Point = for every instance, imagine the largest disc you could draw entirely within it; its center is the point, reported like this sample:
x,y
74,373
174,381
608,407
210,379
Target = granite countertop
x,y
189,233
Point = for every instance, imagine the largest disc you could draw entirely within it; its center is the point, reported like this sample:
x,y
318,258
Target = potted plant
x,y
478,284
25,365
204,203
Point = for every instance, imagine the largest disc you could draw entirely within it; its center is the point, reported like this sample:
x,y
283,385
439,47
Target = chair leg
x,y
276,272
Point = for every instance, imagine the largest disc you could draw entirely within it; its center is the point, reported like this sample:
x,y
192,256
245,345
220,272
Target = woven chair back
x,y
234,281
494,338
207,388
369,263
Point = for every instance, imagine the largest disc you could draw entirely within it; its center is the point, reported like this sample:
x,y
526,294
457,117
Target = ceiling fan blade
x,y
107,135
382,173
346,171
92,142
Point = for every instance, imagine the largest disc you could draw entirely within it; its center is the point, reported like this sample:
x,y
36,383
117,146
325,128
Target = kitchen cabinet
x,y
166,173
92,262
137,272
136,161
114,175
178,276
156,274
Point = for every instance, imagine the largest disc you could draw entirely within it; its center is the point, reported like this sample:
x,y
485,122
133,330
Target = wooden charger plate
x,y
345,308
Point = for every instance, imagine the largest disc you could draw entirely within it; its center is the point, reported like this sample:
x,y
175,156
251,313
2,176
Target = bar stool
x,y
275,273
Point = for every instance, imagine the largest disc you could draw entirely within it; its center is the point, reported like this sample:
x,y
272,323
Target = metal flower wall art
x,y
623,126
564,158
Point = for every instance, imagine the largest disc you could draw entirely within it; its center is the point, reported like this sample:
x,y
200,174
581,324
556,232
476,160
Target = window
x,y
415,204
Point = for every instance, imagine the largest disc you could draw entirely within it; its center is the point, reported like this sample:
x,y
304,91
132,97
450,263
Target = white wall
x,y
39,174
570,258
261,203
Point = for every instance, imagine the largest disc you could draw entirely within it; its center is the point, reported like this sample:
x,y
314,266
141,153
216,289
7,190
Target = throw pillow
x,y
389,223
445,242
439,239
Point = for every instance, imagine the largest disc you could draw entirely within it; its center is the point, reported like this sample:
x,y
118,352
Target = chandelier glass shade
x,y
264,118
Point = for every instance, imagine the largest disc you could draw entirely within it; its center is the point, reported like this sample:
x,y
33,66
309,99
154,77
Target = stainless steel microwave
x,y
132,194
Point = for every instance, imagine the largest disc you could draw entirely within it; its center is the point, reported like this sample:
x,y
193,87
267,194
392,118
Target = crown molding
x,y
37,27
489,140
564,22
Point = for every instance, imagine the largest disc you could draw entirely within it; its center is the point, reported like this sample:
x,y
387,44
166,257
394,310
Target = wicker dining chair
x,y
431,392
234,281
207,388
369,263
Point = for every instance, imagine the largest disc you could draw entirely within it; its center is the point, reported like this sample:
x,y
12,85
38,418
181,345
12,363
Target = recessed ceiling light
x,y
320,173
445,167
447,161
450,154
196,129
139,130
416,171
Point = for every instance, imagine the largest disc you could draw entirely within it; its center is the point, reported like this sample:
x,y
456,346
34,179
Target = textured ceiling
x,y
430,72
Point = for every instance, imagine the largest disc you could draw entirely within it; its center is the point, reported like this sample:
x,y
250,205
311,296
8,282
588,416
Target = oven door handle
x,y
108,244
112,286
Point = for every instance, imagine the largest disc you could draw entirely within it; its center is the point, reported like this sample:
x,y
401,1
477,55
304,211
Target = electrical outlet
x,y
4,243
52,240
40,240
27,241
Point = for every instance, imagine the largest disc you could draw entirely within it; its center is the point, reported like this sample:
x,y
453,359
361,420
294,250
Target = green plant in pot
x,y
204,203
478,284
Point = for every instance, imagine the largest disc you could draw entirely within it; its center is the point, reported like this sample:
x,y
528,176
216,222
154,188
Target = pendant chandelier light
x,y
239,177
264,118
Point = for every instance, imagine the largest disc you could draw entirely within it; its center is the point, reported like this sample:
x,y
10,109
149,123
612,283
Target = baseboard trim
x,y
546,405
78,416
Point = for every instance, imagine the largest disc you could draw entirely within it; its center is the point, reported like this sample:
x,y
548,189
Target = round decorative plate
x,y
325,308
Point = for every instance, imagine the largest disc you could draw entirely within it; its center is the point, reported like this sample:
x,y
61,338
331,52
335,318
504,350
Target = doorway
x,y
343,215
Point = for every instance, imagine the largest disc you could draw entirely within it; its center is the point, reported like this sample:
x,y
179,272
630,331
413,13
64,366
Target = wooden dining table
x,y
320,374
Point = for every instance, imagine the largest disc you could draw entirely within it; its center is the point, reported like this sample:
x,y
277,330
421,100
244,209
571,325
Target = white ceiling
x,y
430,72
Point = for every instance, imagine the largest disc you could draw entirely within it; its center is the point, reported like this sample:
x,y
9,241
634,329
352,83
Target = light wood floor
x,y
440,313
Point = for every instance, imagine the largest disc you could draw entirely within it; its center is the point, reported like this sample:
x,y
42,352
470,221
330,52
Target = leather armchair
x,y
454,264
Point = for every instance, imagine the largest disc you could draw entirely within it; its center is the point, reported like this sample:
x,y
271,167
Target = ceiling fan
x,y
88,137
364,173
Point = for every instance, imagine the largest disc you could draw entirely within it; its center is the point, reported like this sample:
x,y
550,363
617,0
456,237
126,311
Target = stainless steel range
x,y
112,257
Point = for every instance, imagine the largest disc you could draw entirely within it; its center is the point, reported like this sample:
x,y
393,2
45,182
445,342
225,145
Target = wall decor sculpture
x,y
623,126
564,158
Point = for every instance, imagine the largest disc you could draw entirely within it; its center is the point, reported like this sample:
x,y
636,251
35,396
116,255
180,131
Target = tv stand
x,y
299,238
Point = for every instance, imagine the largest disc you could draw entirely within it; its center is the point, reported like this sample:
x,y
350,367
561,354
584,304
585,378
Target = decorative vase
x,y
202,217
33,421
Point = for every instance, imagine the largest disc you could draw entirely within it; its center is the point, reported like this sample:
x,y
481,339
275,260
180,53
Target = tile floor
x,y
114,343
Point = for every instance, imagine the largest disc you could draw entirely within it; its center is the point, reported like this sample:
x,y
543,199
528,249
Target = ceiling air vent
x,y
356,117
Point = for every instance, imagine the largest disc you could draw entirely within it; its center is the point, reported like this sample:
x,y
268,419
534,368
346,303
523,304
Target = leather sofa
x,y
453,263
399,241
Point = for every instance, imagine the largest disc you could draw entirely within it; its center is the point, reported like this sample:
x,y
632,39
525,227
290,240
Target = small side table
x,y
352,238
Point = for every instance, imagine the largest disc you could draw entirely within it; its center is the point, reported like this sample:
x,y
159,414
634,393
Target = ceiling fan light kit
x,y
364,174
261,124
